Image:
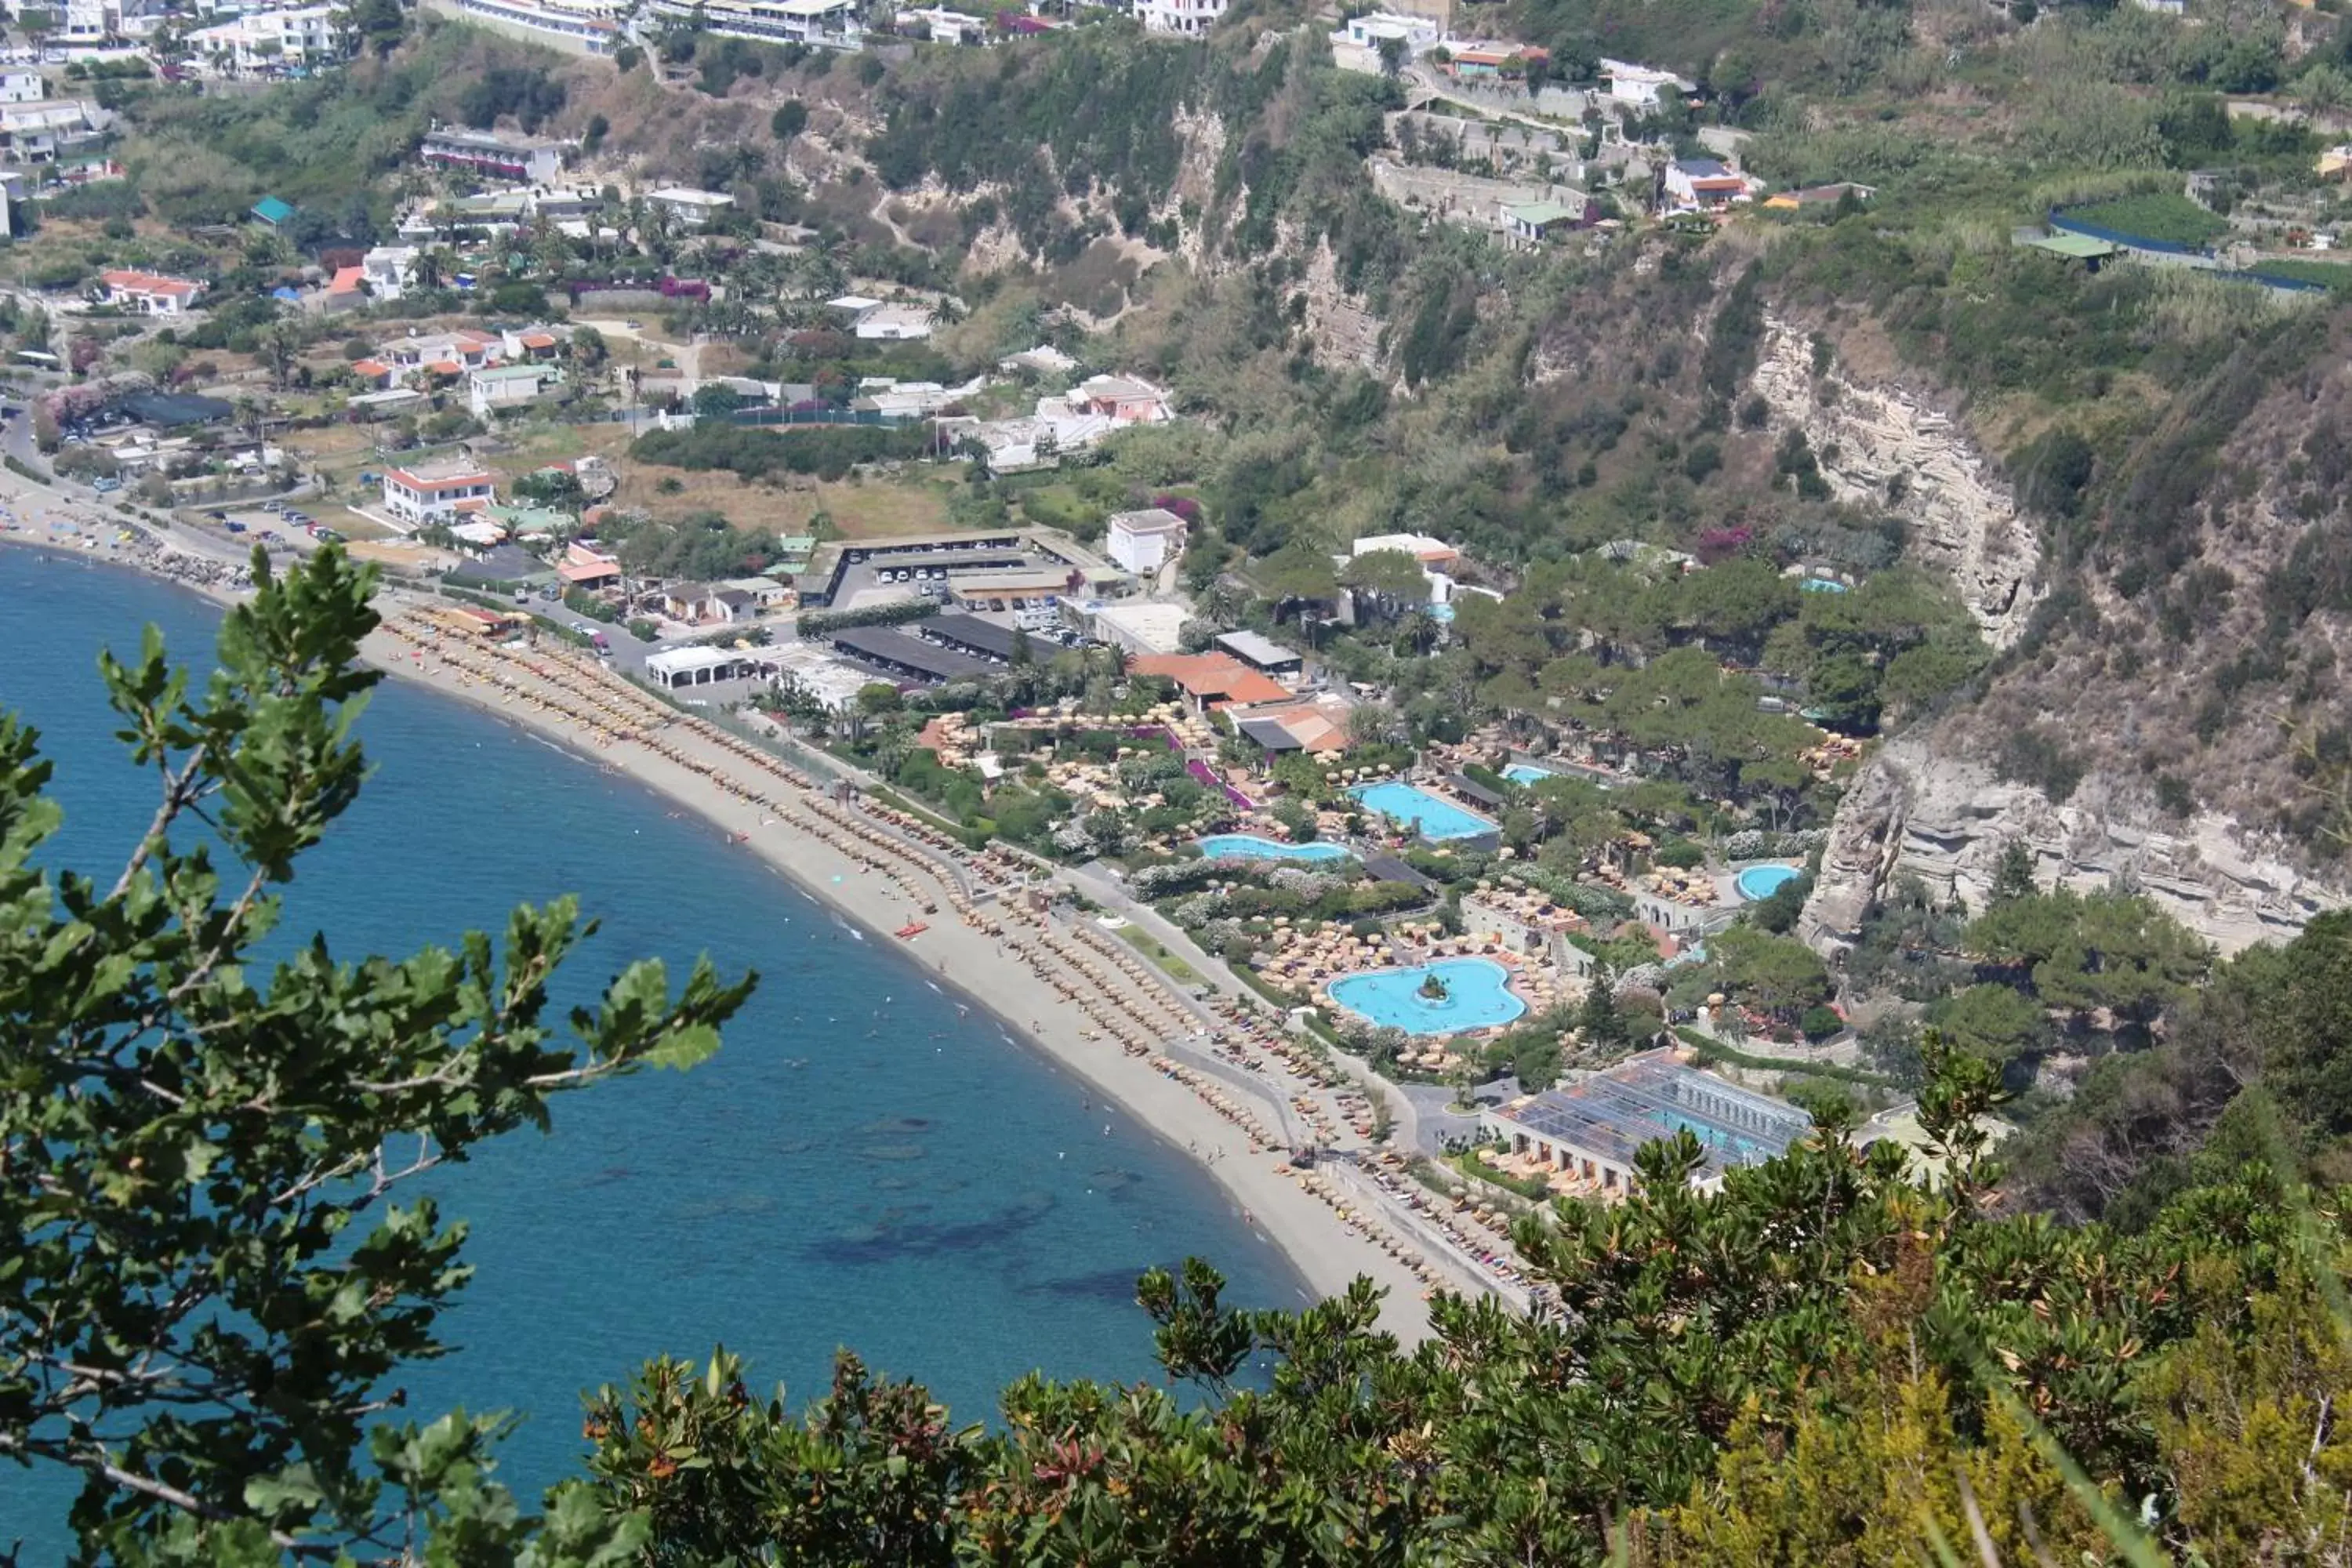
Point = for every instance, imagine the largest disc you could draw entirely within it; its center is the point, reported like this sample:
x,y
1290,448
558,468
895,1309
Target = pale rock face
x,y
1914,811
1341,331
1921,809
1881,449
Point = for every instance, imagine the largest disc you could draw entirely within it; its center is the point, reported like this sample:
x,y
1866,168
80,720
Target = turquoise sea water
x,y
1477,996
861,1164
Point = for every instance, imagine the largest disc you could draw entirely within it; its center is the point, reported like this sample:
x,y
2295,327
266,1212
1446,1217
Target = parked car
x,y
235,527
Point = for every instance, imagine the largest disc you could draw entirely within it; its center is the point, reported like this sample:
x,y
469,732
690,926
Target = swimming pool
x,y
1477,997
1429,817
1822,586
1759,882
1250,846
1527,773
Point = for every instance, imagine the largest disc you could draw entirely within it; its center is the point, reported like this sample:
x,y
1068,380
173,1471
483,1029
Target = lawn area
x,y
865,508
2158,215
1143,942
871,508
2335,275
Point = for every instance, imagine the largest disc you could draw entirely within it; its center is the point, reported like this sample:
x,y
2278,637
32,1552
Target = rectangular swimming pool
x,y
1526,773
1431,817
1250,846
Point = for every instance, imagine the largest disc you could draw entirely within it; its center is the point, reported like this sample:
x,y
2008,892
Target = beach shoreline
x,y
1324,1254
1327,1255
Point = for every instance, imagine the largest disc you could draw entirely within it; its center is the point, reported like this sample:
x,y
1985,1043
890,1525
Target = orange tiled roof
x,y
1312,726
1208,675
151,283
537,340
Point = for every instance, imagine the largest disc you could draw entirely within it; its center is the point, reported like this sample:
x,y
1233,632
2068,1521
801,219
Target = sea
x,y
866,1164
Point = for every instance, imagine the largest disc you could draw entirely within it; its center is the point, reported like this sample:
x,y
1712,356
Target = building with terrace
x,y
443,494
492,155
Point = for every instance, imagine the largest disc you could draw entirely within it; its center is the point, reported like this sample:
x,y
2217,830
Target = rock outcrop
x,y
1919,812
1881,449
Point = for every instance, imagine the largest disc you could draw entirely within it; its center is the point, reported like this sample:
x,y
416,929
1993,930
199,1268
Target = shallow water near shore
x,y
864,1164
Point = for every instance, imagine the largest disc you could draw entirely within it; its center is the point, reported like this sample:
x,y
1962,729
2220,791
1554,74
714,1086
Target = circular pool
x,y
1760,882
1477,996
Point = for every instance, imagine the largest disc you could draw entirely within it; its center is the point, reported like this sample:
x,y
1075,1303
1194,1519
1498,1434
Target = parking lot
x,y
288,527
888,579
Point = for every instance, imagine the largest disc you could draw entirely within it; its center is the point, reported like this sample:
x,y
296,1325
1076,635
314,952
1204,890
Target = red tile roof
x,y
1211,676
151,283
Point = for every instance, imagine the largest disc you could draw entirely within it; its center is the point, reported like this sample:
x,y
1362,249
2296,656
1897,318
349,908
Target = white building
x,y
149,293
947,26
1420,547
1641,87
492,153
498,387
582,26
1705,185
1137,628
1189,17
22,87
444,494
688,207
820,24
87,19
879,319
261,42
389,270
48,131
894,323
1143,542
1418,34
677,668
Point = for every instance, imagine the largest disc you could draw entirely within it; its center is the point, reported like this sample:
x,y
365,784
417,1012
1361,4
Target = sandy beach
x,y
1075,994
1067,989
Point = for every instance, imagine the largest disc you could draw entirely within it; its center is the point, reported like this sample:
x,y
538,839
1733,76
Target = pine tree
x,y
1601,1024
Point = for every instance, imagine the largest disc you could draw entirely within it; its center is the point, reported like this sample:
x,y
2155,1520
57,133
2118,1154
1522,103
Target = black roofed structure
x,y
890,649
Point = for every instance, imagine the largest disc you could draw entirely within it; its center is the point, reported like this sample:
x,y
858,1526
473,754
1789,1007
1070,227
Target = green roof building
x,y
2075,247
1535,222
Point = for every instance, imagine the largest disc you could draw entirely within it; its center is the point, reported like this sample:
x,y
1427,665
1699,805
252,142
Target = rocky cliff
x,y
1881,448
1928,805
1919,810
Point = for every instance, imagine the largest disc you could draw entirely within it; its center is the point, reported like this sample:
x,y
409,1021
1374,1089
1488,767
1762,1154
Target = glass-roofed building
x,y
1592,1128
